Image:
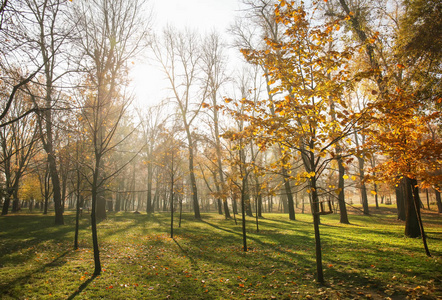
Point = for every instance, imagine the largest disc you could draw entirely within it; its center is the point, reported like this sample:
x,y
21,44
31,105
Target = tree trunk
x,y
6,203
343,218
243,200
375,186
416,201
219,206
196,207
171,212
248,203
288,193
400,200
101,204
412,210
55,188
283,205
95,193
77,211
226,209
97,263
219,162
234,204
15,201
259,206
316,222
363,187
45,210
438,201
172,179
149,207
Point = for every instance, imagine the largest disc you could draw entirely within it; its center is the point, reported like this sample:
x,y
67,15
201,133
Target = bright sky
x,y
200,15
203,14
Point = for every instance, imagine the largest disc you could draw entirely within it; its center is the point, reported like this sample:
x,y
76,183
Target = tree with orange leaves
x,y
304,67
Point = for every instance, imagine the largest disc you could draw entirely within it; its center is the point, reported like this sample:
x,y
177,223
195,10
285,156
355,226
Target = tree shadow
x,y
192,260
57,262
82,287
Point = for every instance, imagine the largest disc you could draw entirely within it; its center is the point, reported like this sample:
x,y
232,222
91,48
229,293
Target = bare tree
x,y
152,120
35,32
214,63
110,33
18,144
179,55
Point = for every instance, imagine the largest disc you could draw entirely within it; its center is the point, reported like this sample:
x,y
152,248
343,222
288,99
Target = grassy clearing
x,y
368,259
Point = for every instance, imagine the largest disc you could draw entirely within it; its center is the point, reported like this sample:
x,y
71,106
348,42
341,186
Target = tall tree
x,y
18,142
308,73
109,34
214,62
179,55
153,119
249,32
42,47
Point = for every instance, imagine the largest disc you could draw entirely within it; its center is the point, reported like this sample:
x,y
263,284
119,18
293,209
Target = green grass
x,y
370,258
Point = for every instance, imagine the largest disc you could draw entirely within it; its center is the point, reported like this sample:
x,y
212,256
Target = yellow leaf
x,y
373,192
345,176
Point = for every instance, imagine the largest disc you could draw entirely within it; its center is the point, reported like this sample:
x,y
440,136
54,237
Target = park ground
x,y
368,259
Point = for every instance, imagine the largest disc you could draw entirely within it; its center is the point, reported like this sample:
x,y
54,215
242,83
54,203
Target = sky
x,y
201,15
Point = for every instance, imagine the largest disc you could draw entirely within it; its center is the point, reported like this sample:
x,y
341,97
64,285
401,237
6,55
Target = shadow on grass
x,y
279,238
82,287
192,260
19,281
26,231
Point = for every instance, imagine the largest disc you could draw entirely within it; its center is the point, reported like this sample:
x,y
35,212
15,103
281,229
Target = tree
x,y
152,124
261,22
241,164
30,190
18,142
421,27
308,73
179,55
404,79
40,47
214,67
110,33
48,15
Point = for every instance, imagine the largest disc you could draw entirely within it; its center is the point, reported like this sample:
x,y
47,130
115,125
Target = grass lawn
x,y
368,259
